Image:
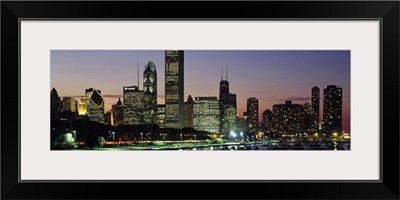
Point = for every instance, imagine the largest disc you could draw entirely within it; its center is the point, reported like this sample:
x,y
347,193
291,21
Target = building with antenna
x,y
150,93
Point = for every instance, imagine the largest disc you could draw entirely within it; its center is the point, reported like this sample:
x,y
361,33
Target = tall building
x,y
117,113
150,93
107,118
230,119
133,105
55,104
267,124
333,109
161,115
174,106
223,91
189,112
288,118
82,108
307,119
314,109
252,114
69,104
95,105
206,114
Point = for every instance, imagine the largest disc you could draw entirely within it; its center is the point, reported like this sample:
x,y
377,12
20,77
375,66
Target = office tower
x,y
150,93
69,104
288,118
95,105
206,114
230,100
241,124
82,108
230,119
314,109
55,104
117,113
223,91
307,119
252,114
133,105
267,124
107,118
174,107
189,112
161,115
332,109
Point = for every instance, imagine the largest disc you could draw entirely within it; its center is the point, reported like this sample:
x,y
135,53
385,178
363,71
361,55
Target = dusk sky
x,y
271,76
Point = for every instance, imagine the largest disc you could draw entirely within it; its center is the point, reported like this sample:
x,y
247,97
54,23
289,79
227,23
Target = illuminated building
x,y
230,119
161,115
107,118
150,93
332,109
241,124
223,91
117,113
95,105
174,106
314,109
189,112
69,104
307,118
288,118
267,124
82,109
133,105
252,114
55,104
206,114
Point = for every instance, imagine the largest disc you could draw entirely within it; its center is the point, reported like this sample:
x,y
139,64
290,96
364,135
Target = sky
x,y
271,76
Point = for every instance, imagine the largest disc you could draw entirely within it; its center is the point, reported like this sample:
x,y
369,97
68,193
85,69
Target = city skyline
x,y
271,76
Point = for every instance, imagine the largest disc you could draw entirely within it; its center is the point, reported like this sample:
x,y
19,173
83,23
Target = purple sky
x,y
270,76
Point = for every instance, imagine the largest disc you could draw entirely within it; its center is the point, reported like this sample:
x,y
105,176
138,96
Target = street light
x,y
241,134
141,137
113,133
181,138
231,135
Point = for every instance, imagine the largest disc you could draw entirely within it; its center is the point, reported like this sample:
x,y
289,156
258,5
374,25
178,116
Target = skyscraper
x,y
252,114
117,113
314,109
189,112
267,124
174,106
206,114
82,108
95,105
69,104
223,91
55,104
150,93
161,115
133,105
333,109
288,118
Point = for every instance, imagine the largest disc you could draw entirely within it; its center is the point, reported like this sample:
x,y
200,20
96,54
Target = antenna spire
x,y
226,72
222,73
138,75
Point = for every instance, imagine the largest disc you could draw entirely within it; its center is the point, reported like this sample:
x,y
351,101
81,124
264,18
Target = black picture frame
x,y
386,11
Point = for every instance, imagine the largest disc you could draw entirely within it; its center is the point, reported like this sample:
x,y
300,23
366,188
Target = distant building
x,y
174,80
107,118
252,114
95,105
150,93
189,112
314,109
82,109
55,104
230,119
117,113
69,104
241,124
308,121
133,105
161,115
206,114
333,109
288,118
267,124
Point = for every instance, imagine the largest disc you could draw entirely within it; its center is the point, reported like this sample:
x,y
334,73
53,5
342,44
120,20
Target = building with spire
x,y
150,93
174,89
223,91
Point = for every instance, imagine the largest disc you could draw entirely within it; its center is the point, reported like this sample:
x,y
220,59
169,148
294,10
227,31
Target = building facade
x,y
94,105
288,118
267,124
55,104
332,110
161,115
117,113
252,114
69,104
206,114
174,89
82,108
133,105
314,109
150,93
189,112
